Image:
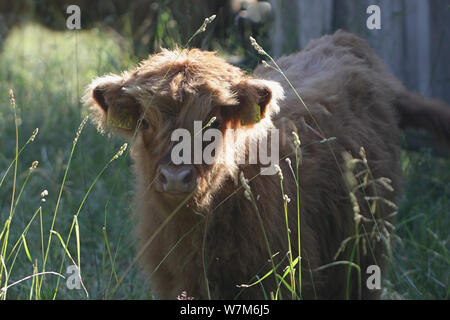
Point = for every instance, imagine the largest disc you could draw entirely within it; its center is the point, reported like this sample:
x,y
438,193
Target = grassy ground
x,y
48,72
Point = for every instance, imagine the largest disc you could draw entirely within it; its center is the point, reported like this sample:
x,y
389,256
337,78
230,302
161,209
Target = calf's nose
x,y
177,178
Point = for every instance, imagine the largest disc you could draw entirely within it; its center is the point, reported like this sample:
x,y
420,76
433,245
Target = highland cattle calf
x,y
201,231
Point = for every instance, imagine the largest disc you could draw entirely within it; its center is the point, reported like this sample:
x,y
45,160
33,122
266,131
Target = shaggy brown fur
x,y
218,241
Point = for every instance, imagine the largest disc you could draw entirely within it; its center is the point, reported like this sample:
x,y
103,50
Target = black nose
x,y
177,179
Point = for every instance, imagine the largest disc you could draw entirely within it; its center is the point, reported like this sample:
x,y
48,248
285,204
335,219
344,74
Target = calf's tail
x,y
418,112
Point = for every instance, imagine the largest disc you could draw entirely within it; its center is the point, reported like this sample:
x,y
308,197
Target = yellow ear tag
x,y
121,118
253,117
257,113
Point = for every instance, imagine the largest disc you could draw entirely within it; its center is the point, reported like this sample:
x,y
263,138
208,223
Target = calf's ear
x,y
111,107
257,101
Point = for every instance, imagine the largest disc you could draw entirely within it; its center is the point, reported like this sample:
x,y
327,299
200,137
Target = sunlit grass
x,y
40,66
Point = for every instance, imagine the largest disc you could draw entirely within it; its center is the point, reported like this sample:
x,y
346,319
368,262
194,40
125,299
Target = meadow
x,y
48,72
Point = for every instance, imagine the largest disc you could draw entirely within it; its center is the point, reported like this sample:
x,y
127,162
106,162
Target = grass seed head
x,y
257,47
34,165
33,136
80,128
206,22
12,101
279,172
121,151
297,141
210,122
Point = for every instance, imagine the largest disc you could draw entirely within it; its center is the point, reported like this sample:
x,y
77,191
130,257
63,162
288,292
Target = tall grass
x,y
33,251
5,269
360,181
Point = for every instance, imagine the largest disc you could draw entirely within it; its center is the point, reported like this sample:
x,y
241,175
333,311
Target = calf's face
x,y
174,107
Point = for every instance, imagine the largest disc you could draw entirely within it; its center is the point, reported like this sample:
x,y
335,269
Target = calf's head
x,y
168,103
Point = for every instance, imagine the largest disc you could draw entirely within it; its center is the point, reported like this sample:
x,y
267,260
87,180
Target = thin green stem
x,y
59,196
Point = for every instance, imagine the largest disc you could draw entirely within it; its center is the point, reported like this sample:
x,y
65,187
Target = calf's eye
x,y
144,124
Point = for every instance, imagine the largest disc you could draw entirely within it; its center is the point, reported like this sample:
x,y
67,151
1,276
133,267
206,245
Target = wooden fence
x,y
414,39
